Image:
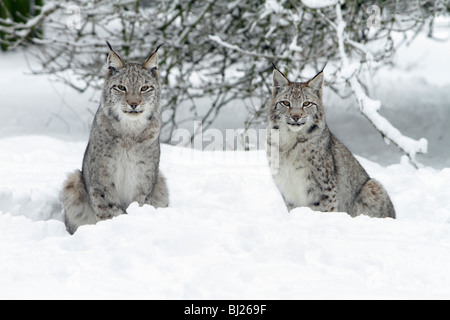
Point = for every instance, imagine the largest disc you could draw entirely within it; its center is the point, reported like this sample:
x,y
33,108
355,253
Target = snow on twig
x,y
369,107
10,26
236,48
317,4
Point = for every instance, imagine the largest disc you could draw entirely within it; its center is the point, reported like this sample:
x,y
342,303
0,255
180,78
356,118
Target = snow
x,y
318,4
227,233
294,45
272,6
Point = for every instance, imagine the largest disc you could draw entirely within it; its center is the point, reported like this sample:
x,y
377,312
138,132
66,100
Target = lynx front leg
x,y
103,193
326,203
325,192
159,197
104,205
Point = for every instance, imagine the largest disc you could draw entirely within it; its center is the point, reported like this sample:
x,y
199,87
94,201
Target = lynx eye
x,y
307,104
286,103
121,87
146,88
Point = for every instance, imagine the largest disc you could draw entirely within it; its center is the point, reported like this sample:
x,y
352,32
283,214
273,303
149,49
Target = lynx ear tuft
x,y
152,62
279,81
316,83
114,62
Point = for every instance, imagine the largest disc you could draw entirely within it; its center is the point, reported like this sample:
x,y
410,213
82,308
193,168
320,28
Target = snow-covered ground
x,y
226,233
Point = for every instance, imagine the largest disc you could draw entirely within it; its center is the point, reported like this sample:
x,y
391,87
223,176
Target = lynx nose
x,y
295,118
133,104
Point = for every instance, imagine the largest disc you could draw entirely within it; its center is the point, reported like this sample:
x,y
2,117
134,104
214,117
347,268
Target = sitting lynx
x,y
313,168
121,161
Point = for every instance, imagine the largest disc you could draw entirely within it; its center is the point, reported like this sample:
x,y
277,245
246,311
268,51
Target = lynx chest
x,y
131,174
294,183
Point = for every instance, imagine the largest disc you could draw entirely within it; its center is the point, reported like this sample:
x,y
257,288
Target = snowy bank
x,y
225,235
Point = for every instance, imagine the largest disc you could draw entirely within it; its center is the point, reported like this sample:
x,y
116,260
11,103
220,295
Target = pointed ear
x,y
113,62
279,82
316,84
152,63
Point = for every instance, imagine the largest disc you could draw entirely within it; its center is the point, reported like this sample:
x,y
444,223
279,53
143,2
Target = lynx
x,y
121,161
313,168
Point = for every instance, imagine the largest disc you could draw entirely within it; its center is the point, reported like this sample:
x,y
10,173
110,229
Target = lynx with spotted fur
x,y
313,168
121,161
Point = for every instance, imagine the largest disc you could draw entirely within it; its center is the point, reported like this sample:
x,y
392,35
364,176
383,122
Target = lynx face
x,y
131,91
298,105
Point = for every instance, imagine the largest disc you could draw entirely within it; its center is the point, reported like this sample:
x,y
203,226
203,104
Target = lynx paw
x,y
110,212
142,199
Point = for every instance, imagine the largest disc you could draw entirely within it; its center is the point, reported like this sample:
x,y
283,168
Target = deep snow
x,y
226,233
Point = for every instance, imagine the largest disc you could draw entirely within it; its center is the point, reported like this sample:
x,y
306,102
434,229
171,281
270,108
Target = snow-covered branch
x,y
245,52
369,107
22,31
317,4
204,55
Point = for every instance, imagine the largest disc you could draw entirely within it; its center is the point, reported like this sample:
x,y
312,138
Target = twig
x,y
369,107
248,53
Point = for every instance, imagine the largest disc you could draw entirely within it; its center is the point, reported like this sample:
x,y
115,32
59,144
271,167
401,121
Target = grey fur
x,y
121,161
313,168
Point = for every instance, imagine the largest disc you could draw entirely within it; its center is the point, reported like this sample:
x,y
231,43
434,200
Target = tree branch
x,y
369,107
248,53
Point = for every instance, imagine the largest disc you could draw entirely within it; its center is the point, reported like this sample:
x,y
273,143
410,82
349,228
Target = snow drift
x,y
226,234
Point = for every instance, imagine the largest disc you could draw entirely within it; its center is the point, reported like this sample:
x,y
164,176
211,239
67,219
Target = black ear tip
x,y
276,69
157,48
109,45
